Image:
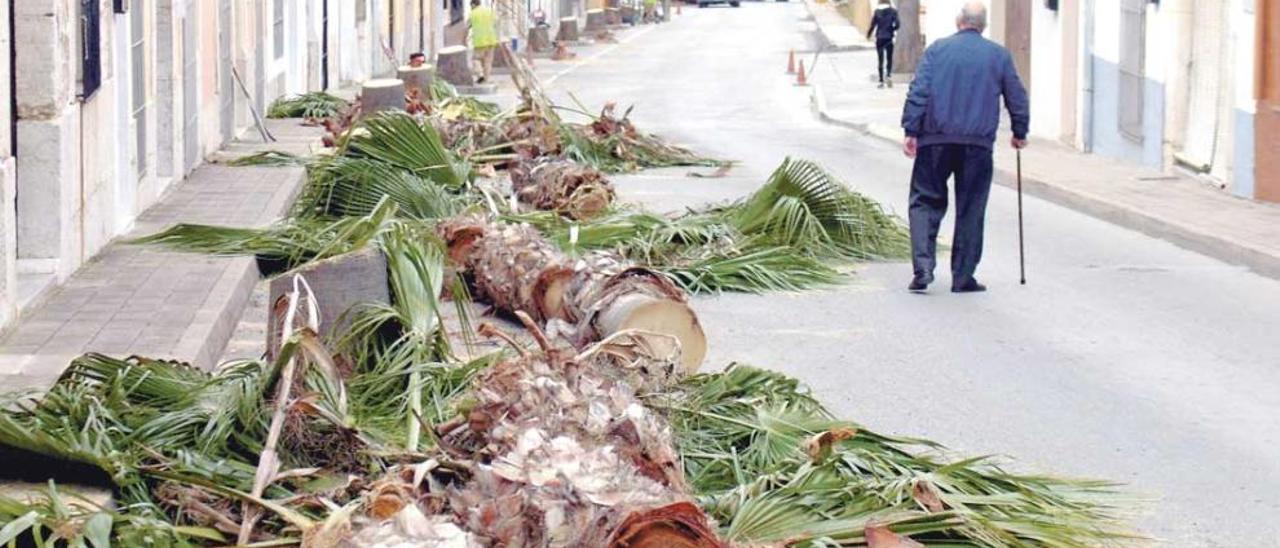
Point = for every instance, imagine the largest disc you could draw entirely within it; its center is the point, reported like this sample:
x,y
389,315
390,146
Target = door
x,y
190,88
1207,129
1017,37
1133,40
324,44
1070,70
138,75
226,83
1267,120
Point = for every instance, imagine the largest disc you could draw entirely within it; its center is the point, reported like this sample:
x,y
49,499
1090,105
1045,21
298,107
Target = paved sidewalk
x,y
135,300
1167,205
837,33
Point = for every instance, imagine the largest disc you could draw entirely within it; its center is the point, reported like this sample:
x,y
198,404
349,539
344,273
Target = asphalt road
x,y
1126,357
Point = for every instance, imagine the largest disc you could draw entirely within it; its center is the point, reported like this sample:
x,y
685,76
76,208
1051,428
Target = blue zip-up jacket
x,y
955,96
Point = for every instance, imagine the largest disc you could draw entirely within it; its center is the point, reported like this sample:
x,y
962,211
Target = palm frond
x,y
316,104
268,158
402,141
354,187
803,206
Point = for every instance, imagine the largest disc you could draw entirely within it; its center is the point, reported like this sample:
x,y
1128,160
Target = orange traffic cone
x,y
800,78
791,62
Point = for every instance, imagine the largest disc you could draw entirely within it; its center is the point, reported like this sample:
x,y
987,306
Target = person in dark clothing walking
x,y
884,24
950,120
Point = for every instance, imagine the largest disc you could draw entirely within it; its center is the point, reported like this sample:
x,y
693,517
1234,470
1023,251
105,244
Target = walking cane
x,y
1022,250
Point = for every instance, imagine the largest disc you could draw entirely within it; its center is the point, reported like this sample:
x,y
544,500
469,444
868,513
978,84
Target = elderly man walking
x,y
950,120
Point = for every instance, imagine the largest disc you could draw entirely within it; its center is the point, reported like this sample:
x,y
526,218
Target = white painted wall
x,y
1046,76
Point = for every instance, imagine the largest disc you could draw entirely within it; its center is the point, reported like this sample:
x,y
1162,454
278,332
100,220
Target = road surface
x,y
1126,357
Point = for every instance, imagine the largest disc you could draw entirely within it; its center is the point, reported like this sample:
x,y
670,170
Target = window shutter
x,y
90,48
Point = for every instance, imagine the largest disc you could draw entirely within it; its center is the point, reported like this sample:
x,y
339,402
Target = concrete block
x,y
48,197
338,284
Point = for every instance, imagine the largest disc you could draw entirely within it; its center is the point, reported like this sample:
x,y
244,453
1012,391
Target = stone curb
x,y
1147,222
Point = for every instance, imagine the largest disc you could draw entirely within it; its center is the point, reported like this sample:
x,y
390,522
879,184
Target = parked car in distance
x,y
705,3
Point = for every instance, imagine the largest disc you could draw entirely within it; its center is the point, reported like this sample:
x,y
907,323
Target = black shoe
x,y
971,286
919,284
481,80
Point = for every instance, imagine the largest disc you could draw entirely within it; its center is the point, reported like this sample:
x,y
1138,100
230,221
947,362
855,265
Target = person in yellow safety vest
x,y
650,10
484,37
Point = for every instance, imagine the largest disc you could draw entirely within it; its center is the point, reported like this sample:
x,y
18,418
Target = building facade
x,y
109,102
1190,85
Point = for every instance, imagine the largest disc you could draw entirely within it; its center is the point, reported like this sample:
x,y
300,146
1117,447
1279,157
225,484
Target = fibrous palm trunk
x,y
576,191
517,269
572,456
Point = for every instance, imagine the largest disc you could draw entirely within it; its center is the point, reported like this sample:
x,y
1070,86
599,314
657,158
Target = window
x,y
277,16
138,55
90,49
1133,33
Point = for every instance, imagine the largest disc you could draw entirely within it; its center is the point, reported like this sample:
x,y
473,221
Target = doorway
x,y
226,85
190,88
1267,120
1017,37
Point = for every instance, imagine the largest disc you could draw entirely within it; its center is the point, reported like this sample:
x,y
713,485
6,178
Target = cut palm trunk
x,y
568,30
386,94
417,80
453,64
576,191
572,456
539,39
596,20
517,269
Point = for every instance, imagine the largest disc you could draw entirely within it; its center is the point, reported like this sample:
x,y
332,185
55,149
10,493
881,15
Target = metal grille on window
x,y
277,15
1133,32
138,55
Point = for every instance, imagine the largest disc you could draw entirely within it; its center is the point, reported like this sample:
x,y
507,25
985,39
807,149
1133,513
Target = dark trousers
x,y
884,57
972,168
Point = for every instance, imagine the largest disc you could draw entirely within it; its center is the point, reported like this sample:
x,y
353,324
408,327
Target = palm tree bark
x,y
576,191
517,269
572,456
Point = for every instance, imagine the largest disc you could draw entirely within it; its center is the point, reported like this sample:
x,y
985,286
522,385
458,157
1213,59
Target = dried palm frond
x,y
270,158
804,206
316,104
744,434
284,246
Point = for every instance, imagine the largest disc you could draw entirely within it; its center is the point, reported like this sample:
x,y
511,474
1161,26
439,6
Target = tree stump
x,y
337,284
540,39
596,20
568,30
382,95
454,65
612,16
417,78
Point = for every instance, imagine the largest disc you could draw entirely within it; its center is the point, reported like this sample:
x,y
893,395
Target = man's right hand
x,y
1018,143
909,147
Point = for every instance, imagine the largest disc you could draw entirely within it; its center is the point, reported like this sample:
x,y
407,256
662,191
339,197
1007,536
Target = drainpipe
x,y
13,83
1087,130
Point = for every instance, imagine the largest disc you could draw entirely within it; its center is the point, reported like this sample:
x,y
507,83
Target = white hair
x,y
973,16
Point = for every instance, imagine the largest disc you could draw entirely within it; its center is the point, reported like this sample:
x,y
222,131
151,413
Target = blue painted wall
x,y
1106,136
1243,166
